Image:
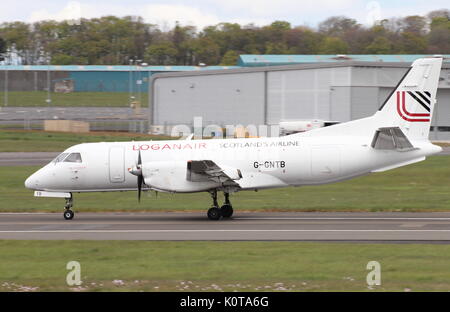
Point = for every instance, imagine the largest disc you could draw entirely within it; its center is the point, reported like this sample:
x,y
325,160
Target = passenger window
x,y
74,157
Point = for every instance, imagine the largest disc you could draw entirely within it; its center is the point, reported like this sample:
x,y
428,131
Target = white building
x,y
267,95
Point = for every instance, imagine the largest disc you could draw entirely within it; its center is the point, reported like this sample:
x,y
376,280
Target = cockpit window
x,y
74,157
60,157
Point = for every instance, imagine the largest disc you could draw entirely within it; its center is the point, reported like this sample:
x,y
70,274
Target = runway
x,y
26,158
244,226
19,114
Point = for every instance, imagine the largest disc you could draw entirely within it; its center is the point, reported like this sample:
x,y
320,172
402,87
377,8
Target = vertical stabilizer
x,y
410,106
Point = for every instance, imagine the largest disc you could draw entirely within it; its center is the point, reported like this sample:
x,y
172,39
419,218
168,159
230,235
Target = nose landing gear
x,y
226,211
68,213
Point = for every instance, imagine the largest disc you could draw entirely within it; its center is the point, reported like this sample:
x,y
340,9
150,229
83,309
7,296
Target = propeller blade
x,y
137,171
140,179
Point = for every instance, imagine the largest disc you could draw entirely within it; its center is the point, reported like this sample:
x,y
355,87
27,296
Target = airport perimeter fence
x,y
108,101
136,126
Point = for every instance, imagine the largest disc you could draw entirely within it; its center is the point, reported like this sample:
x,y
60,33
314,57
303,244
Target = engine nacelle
x,y
170,176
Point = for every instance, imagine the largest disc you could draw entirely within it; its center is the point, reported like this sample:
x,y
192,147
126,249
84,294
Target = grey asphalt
x,y
73,113
42,158
26,158
446,151
335,227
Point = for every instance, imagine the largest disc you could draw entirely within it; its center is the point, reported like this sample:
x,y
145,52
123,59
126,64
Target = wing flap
x,y
208,170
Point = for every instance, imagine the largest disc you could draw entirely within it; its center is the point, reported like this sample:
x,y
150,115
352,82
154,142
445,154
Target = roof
x,y
255,69
245,60
250,60
87,68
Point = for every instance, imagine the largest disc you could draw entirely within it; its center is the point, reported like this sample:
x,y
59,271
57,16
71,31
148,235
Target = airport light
x,y
133,67
6,86
6,62
141,81
138,81
48,100
130,83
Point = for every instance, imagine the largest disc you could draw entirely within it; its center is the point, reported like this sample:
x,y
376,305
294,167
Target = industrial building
x,y
255,60
260,90
84,78
337,91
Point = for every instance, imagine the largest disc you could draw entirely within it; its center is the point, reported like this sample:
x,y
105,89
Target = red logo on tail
x,y
423,98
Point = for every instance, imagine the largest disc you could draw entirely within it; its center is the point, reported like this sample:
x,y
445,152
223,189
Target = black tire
x,y
68,214
214,213
226,211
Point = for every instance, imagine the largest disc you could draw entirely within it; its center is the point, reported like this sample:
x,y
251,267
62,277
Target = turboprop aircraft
x,y
396,135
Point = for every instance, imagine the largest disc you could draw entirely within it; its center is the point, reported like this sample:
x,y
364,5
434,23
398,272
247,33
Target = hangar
x,y
84,78
336,91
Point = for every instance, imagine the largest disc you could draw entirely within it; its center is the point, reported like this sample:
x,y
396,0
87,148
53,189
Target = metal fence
x,y
109,101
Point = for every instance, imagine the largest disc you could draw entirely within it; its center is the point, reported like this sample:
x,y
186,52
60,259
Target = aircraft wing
x,y
208,170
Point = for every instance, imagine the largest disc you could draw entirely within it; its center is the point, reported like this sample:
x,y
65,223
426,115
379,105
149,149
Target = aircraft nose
x,y
32,182
37,180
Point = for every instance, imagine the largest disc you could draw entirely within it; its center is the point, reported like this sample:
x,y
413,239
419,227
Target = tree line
x,y
114,41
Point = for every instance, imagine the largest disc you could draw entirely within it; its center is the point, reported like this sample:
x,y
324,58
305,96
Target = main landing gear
x,y
68,213
226,211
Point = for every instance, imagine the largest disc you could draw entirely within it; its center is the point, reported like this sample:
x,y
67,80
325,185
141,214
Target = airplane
x,y
395,136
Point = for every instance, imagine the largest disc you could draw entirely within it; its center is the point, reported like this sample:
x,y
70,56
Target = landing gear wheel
x,y
226,211
68,214
214,213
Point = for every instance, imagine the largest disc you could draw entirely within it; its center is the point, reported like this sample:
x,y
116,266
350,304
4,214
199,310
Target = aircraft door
x,y
117,164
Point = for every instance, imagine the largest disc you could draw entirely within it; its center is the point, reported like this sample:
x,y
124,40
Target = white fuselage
x,y
293,160
396,135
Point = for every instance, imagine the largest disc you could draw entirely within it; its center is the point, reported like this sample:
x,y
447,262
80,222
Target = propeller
x,y
137,171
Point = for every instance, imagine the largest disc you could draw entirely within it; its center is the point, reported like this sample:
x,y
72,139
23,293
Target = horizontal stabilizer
x,y
398,165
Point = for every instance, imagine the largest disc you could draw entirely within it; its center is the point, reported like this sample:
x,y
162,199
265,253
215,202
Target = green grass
x,y
38,98
41,141
227,266
420,187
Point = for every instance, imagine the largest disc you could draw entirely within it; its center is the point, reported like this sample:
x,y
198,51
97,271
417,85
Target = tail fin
x,y
410,106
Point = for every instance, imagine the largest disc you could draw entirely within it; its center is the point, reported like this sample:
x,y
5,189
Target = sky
x,y
202,13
